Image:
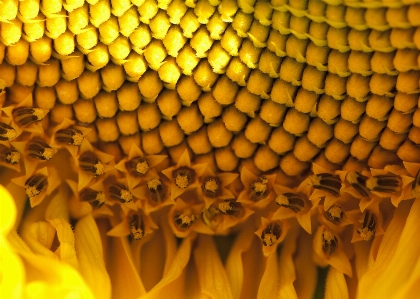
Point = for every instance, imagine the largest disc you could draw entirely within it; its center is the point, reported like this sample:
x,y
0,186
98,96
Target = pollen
x,y
184,221
9,155
136,227
183,177
367,226
358,182
384,183
259,188
227,207
41,150
69,136
271,234
211,186
7,132
120,193
327,182
27,116
91,165
291,201
334,214
35,184
329,242
156,189
95,198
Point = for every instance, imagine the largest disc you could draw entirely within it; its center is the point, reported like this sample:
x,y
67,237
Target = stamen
x,y
69,136
210,216
95,198
329,242
120,193
91,165
7,133
227,207
387,183
9,155
40,150
327,182
334,214
211,186
358,182
291,201
183,177
26,115
156,189
138,166
35,184
416,185
271,234
259,188
367,227
136,227
184,220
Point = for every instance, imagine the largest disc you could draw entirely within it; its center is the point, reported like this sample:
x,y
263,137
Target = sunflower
x,y
209,149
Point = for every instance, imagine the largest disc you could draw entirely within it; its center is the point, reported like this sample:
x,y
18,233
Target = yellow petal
x,y
269,283
336,287
90,254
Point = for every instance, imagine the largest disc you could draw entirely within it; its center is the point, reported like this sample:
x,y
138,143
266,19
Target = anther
x,y
9,155
69,136
184,220
329,242
271,234
120,193
95,198
416,186
35,184
183,177
291,201
211,187
26,115
259,188
156,189
387,183
7,133
136,227
91,165
327,182
358,182
210,216
138,166
227,207
367,227
40,150
334,214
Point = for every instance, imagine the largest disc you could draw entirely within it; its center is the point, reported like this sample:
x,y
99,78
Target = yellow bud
x,y
257,130
242,23
187,60
276,43
188,90
147,11
234,119
151,142
150,85
296,48
107,129
281,141
129,21
336,151
337,38
226,159
218,58
56,24
219,136
160,24
201,42
148,116
176,10
49,73
163,4
89,84
292,166
209,108
71,5
264,11
296,122
390,140
216,26
99,12
305,150
65,44
126,142
269,63
67,91
170,133
85,111
272,113
106,104
281,21
382,63
203,10
27,73
378,107
155,54
169,73
291,71
399,122
169,104
135,66
227,9
72,66
18,53
189,23
98,57
343,130
283,92
199,141
313,79
140,38
45,97
113,77
258,34
225,90
260,84
204,75
190,119
2,52
237,71
352,110
328,109
119,48
18,93
11,32
414,134
119,7
174,41
34,29
249,54
109,30
361,148
355,17
87,39
265,159
59,112
405,103
128,95
247,102
318,33
78,19
317,56
242,147
49,7
8,10
408,151
335,86
127,122
358,87
300,26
